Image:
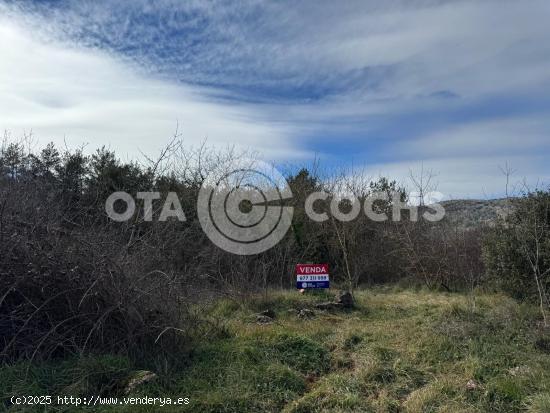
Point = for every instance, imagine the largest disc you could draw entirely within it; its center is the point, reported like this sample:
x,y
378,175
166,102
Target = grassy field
x,y
398,351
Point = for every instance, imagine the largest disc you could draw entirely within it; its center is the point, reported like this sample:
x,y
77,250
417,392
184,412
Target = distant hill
x,y
474,212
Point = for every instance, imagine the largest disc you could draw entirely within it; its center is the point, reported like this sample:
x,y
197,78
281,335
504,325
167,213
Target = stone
x,y
471,385
346,299
137,379
306,313
262,319
519,371
268,313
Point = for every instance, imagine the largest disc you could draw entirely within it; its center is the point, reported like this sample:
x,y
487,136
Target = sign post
x,y
312,276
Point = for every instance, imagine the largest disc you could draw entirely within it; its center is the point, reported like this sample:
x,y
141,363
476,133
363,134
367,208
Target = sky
x,y
458,87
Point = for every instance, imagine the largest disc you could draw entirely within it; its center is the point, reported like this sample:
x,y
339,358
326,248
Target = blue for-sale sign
x,y
312,276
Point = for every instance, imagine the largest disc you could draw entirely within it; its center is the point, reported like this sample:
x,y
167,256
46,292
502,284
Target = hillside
x,y
397,351
474,212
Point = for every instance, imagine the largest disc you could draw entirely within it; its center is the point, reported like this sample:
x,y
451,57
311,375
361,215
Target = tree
x,y
517,252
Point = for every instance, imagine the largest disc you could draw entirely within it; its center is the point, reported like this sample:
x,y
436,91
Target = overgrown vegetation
x,y
517,251
397,351
73,280
85,300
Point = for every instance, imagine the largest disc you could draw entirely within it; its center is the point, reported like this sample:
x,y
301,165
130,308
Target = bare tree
x,y
423,183
532,230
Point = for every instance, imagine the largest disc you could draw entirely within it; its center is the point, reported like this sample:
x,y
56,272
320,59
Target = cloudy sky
x,y
462,87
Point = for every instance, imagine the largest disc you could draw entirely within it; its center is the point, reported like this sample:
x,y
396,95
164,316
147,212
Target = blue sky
x,y
462,87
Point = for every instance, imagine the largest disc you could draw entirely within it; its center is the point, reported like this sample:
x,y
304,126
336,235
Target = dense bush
x,y
517,250
72,280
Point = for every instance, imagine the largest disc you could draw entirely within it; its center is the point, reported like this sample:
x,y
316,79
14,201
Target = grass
x,y
398,351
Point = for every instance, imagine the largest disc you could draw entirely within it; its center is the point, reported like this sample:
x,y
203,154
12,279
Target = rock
x,y
519,371
305,313
265,317
471,385
268,313
138,378
262,319
346,300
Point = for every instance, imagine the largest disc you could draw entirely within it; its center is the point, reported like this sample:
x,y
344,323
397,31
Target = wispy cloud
x,y
312,50
380,82
65,94
462,177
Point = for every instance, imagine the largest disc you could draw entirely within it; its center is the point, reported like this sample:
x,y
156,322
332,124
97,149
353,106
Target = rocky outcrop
x,y
345,301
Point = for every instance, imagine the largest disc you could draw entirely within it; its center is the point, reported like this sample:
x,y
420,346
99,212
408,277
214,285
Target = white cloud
x,y
471,177
344,70
393,49
62,92
513,136
467,160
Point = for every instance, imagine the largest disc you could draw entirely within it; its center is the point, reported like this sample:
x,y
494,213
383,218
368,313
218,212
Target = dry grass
x,y
398,351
